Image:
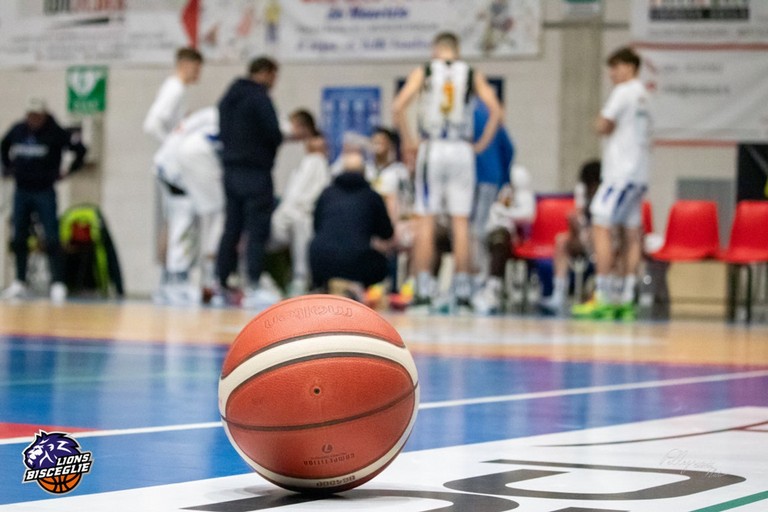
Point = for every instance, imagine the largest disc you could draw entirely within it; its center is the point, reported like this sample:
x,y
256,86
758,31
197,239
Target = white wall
x,y
532,116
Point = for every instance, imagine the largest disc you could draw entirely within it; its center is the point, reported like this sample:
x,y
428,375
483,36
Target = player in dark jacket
x,y
349,216
31,154
250,135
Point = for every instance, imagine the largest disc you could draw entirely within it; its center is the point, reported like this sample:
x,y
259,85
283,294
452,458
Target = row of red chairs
x,y
692,235
551,219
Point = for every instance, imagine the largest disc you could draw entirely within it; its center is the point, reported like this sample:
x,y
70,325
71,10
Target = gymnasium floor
x,y
517,413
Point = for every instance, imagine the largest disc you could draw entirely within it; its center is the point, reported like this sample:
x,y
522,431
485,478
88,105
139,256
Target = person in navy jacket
x,y
250,135
350,218
31,154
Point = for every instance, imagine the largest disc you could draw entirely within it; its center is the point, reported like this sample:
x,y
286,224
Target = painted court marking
x,y
454,403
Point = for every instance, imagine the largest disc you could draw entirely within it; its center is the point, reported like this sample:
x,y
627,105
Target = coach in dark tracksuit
x,y
250,135
348,215
31,153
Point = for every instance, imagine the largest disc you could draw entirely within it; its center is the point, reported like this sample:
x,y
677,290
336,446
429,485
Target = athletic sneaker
x,y
182,294
594,310
58,292
420,306
626,312
550,306
17,290
464,307
444,304
259,298
487,301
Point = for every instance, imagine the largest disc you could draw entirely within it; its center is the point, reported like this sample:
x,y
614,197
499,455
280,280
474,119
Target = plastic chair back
x,y
692,232
749,234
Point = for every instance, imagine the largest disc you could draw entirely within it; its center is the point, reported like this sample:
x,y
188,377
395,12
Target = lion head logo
x,y
47,448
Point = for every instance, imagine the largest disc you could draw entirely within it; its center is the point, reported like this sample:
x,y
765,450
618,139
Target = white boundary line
x,y
449,403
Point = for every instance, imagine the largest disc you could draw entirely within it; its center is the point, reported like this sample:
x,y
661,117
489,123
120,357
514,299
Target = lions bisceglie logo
x,y
54,460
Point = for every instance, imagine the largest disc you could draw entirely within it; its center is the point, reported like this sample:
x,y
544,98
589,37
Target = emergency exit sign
x,y
86,89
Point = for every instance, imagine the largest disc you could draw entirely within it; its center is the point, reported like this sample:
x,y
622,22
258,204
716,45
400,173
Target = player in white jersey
x,y
625,124
445,163
166,112
292,219
188,160
169,106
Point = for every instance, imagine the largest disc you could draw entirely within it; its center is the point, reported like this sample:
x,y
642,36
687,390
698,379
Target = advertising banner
x,y
713,95
700,21
50,33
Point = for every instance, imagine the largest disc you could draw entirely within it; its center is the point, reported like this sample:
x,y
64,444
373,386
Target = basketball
x,y
61,483
318,394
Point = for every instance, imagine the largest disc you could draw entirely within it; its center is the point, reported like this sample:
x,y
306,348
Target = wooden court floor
x,y
704,342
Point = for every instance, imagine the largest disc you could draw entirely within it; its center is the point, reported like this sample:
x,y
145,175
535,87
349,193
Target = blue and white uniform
x,y
445,166
626,154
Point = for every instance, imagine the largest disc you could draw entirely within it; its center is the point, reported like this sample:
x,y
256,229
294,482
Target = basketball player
x,y
292,219
166,112
445,164
188,158
625,123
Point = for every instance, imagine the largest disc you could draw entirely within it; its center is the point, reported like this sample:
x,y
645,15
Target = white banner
x,y
713,95
57,33
344,30
44,33
708,22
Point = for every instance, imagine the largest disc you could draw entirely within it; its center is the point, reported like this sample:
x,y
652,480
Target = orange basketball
x,y
60,484
318,394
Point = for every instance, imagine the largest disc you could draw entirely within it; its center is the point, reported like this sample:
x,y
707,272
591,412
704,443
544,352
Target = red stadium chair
x,y
551,219
748,245
692,235
692,232
647,218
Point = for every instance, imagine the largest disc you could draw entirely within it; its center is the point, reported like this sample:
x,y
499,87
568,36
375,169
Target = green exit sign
x,y
86,89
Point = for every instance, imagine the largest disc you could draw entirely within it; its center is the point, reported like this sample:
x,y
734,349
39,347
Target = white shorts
x,y
618,204
445,178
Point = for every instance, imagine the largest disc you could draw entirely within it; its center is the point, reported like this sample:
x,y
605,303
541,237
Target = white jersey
x,y
167,110
205,122
626,150
394,180
305,184
445,104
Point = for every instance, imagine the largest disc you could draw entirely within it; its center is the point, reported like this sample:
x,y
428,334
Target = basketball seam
x,y
304,337
318,357
292,428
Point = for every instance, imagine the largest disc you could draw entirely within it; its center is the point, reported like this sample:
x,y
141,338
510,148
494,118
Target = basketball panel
x,y
319,391
309,315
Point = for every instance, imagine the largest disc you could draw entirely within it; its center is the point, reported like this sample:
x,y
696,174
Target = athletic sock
x,y
628,292
462,285
424,285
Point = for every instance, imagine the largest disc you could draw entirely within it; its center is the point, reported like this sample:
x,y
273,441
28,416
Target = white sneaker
x,y
181,294
58,292
259,298
487,301
17,290
552,305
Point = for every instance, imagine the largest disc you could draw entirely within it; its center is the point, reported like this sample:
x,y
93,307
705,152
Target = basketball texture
x,y
318,394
